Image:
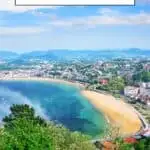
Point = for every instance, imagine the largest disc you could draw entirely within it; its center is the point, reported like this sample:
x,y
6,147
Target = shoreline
x,y
52,80
118,112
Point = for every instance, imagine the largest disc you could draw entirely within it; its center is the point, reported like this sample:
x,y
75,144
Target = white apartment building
x,y
131,91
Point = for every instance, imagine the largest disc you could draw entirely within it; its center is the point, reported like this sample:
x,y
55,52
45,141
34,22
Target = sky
x,y
29,28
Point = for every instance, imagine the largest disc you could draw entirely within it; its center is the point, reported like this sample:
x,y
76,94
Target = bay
x,y
58,102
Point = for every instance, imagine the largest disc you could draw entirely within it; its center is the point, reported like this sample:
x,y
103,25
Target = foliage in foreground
x,y
25,131
118,142
143,144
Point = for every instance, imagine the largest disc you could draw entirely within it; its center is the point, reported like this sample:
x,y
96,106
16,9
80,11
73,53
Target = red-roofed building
x,y
147,67
103,81
130,140
107,145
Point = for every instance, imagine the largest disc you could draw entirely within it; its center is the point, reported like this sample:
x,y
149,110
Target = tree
x,y
121,145
22,111
143,144
23,130
112,132
116,84
25,135
142,76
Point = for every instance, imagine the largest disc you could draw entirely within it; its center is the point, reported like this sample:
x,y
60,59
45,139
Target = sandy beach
x,y
119,113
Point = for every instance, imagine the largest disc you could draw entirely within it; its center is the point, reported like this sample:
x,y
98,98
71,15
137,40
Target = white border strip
x,y
75,2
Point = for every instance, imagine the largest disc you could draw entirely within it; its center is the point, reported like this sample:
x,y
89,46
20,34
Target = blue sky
x,y
29,28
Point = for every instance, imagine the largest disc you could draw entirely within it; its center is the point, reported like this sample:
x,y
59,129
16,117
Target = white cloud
x,y
106,10
105,16
42,14
20,30
9,5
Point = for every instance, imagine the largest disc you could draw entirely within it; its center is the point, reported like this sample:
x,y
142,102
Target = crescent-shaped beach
x,y
118,112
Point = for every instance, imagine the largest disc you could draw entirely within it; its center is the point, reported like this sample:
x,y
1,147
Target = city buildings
x,y
131,91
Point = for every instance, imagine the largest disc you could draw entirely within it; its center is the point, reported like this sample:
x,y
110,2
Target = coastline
x,y
52,80
118,112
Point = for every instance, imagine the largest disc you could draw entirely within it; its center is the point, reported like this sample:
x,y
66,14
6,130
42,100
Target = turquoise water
x,y
58,102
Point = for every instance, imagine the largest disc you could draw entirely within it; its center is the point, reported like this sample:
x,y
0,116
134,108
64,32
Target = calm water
x,y
58,102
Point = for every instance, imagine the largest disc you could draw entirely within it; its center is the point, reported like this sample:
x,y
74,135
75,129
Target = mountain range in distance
x,y
68,55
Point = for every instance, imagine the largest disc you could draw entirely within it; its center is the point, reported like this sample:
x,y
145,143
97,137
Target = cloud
x,y
105,16
106,10
20,30
38,13
9,5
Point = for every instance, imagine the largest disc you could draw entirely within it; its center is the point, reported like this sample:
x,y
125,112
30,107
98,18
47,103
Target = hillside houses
x,y
141,93
131,91
146,67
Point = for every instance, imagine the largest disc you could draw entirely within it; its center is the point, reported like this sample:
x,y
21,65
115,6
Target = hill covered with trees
x,y
23,130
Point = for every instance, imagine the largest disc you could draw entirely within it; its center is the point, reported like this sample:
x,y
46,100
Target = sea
x,y
57,102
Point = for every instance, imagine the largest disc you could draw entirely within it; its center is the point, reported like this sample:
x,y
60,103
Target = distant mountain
x,y
63,55
138,52
44,55
69,55
5,55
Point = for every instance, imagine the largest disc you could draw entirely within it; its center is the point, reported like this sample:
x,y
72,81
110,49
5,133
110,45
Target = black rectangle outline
x,y
72,4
